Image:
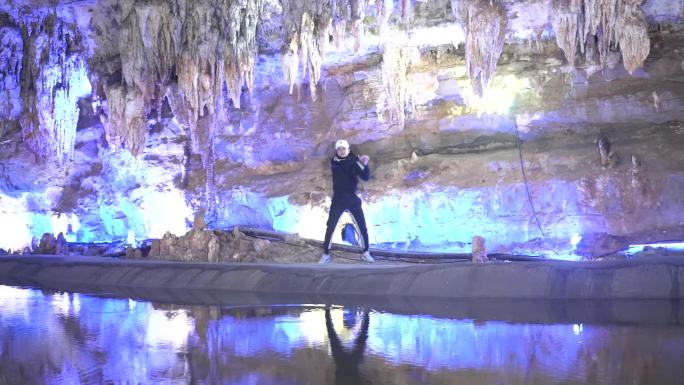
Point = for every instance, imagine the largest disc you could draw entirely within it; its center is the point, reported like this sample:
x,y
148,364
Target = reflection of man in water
x,y
347,361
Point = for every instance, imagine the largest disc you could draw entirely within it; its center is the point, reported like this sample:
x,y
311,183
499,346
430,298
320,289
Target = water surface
x,y
70,338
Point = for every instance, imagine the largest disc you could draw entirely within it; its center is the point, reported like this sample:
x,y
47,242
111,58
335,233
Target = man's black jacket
x,y
345,173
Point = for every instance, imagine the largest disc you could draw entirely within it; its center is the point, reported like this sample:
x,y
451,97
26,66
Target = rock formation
x,y
484,23
51,245
479,250
596,26
133,116
224,246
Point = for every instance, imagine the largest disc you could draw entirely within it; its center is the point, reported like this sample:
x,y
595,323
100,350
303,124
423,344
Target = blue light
x,y
113,226
672,246
439,218
575,240
577,328
79,85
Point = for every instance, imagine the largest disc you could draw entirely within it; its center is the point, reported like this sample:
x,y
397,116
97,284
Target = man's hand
x,y
364,159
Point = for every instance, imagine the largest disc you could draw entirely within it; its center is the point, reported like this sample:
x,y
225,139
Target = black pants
x,y
340,204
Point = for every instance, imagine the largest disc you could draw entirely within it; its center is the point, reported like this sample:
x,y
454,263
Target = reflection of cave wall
x,y
209,124
291,343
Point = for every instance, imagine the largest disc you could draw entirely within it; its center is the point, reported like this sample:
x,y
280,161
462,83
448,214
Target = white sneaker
x,y
325,258
367,257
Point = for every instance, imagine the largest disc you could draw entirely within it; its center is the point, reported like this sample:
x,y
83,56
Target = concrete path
x,y
652,278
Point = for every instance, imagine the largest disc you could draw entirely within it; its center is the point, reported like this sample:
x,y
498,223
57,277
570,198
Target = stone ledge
x,y
653,278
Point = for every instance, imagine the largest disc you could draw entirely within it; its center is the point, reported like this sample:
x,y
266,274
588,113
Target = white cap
x,y
341,143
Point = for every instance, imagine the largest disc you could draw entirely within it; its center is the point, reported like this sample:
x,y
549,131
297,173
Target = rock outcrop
x,y
51,245
227,246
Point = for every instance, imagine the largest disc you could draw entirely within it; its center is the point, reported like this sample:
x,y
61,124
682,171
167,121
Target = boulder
x,y
47,244
213,253
479,250
260,245
61,245
155,249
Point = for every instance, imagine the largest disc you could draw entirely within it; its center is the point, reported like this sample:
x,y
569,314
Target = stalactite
x,y
599,20
309,52
124,118
567,20
632,35
53,77
484,23
148,45
114,113
149,39
357,28
291,64
308,25
226,48
244,21
10,56
11,53
612,22
196,65
136,123
394,74
63,114
211,44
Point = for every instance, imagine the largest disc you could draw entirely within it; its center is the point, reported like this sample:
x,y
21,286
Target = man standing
x,y
346,167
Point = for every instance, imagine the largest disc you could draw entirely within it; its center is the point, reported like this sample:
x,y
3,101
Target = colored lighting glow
x,y
17,299
66,303
567,255
14,225
575,240
113,226
165,211
307,221
168,328
437,35
499,97
433,218
130,238
148,215
158,212
446,219
673,246
19,225
79,85
67,224
311,326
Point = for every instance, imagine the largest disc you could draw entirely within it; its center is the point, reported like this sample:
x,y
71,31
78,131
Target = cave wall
x,y
127,117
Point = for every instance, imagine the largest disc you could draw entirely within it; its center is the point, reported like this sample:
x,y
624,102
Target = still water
x,y
68,338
